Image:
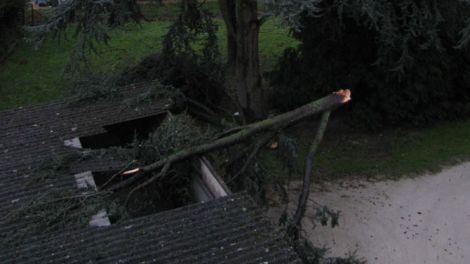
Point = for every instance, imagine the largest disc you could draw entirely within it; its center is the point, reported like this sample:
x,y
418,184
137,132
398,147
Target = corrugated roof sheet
x,y
226,230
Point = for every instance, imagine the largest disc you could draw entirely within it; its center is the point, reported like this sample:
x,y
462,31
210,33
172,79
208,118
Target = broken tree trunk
x,y
243,133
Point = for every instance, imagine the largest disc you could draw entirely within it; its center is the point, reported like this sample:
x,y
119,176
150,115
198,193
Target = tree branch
x,y
117,174
263,141
327,103
296,221
230,131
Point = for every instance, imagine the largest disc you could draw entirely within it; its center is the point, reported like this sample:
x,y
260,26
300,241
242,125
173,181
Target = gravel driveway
x,y
411,221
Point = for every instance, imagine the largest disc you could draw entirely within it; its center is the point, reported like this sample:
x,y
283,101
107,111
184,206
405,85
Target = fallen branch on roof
x,y
244,133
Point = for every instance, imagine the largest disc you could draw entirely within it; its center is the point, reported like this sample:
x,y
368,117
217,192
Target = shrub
x,y
400,59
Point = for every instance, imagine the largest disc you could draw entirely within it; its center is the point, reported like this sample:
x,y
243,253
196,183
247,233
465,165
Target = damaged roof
x,y
224,230
31,135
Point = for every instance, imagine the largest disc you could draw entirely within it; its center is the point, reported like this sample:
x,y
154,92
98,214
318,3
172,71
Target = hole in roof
x,y
185,187
123,133
198,185
166,194
104,177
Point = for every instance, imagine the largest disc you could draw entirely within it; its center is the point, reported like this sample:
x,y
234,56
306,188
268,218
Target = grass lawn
x,y
345,153
32,76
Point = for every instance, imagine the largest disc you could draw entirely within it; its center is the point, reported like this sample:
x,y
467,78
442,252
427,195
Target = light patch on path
x,y
413,221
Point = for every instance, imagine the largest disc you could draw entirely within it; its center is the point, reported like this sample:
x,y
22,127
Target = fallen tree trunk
x,y
284,120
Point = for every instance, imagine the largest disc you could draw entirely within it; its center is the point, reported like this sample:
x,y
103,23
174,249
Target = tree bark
x,y
247,72
227,8
303,199
244,77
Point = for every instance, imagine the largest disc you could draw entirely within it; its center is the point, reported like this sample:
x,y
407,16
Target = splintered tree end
x,y
344,94
133,171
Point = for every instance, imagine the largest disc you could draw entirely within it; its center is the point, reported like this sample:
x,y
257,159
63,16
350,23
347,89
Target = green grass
x,y
156,11
32,76
348,154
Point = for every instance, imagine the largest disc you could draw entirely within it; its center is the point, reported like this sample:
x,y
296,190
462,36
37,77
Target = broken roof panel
x,y
226,230
28,134
31,135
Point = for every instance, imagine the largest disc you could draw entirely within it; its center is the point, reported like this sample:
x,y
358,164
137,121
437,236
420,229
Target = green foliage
x,y
325,215
154,91
176,132
291,11
255,178
194,22
179,71
94,87
92,20
254,181
54,166
54,210
195,74
11,18
399,58
176,79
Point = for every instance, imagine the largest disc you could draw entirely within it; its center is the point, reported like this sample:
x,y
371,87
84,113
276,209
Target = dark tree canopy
x,y
407,61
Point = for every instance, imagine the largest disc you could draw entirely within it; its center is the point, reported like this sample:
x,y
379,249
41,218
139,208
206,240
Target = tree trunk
x,y
244,78
247,72
227,8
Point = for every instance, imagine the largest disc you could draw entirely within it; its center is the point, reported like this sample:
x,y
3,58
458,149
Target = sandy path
x,y
411,221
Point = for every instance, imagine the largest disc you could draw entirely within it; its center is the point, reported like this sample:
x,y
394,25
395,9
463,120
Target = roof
x,y
30,135
226,230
